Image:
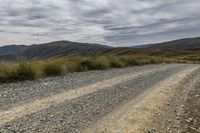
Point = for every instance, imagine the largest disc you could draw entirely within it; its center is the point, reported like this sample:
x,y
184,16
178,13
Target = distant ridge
x,y
186,43
11,49
46,50
66,48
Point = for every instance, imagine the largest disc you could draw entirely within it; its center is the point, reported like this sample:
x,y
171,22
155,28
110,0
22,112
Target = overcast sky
x,y
111,22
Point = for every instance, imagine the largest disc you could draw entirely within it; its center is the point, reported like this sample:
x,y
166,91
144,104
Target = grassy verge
x,y
30,70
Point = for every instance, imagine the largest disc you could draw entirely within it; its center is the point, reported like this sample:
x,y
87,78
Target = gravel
x,y
179,112
18,93
74,115
190,111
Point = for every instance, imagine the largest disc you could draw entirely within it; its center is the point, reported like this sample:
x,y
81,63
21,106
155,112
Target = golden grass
x,y
30,70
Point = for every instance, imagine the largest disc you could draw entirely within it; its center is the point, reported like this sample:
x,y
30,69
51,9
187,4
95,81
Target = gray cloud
x,y
112,22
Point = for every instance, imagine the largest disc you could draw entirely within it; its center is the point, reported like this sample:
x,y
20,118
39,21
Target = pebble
x,y
117,131
153,130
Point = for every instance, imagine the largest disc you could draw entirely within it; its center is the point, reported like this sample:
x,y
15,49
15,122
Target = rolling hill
x,y
66,48
52,49
186,43
9,49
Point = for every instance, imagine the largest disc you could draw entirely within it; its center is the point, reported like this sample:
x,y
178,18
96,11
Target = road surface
x,y
151,98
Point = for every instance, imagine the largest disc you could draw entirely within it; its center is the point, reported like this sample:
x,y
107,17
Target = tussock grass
x,y
116,62
6,71
21,71
24,71
30,70
93,63
53,67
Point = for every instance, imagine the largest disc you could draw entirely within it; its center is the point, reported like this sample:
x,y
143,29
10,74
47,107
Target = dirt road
x,y
153,98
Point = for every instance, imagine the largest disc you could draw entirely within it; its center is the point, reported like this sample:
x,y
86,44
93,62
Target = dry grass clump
x,y
30,70
53,67
19,71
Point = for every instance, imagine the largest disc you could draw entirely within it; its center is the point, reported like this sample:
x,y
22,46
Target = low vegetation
x,y
184,56
30,70
52,67
17,71
115,58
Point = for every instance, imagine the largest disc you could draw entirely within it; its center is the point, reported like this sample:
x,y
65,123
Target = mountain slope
x,y
11,48
187,43
54,49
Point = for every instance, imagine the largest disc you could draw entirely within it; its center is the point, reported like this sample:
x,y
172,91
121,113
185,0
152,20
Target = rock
x,y
117,131
169,121
190,119
13,129
153,130
182,106
194,129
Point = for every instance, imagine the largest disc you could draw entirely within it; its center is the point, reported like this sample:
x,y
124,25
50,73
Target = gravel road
x,y
59,104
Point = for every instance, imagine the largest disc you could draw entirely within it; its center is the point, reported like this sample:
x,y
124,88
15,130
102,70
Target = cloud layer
x,y
111,22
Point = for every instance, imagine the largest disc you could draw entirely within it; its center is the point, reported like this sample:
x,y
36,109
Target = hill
x,y
52,49
187,46
186,43
11,49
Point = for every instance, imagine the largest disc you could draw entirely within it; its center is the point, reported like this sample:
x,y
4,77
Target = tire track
x,y
136,115
34,106
75,114
15,94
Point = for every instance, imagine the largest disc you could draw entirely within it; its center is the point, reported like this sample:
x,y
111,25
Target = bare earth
x,y
147,99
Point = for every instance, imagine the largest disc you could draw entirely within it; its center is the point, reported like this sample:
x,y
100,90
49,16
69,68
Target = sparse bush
x,y
129,60
115,62
6,70
93,63
23,71
29,70
53,67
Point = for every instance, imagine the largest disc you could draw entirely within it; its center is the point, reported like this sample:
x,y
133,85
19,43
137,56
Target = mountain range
x,y
186,43
67,48
52,49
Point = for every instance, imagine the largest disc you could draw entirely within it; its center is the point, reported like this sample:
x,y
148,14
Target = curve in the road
x,y
17,112
75,109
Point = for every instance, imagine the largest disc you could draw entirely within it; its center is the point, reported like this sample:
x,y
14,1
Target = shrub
x,y
23,71
129,60
93,63
115,62
52,67
29,70
5,72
